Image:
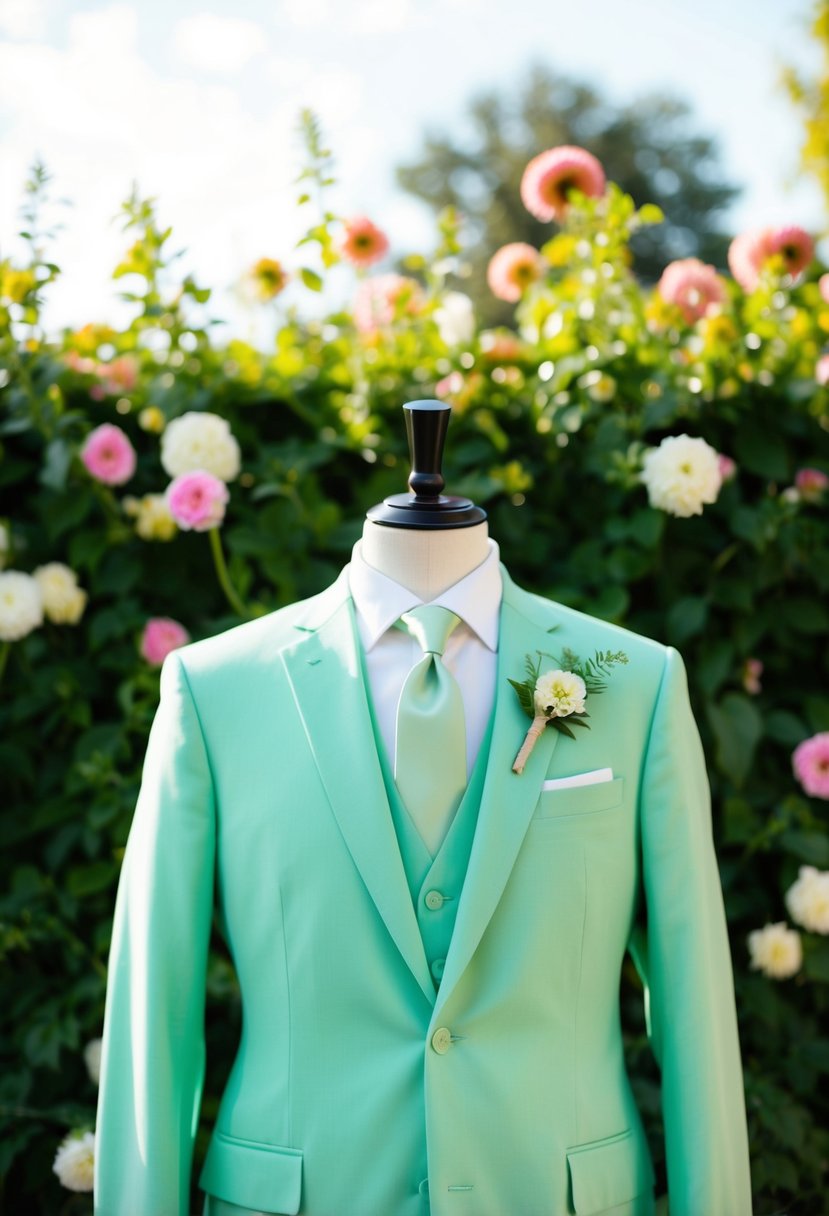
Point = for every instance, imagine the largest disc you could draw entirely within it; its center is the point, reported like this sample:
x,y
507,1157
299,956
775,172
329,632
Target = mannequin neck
x,y
427,561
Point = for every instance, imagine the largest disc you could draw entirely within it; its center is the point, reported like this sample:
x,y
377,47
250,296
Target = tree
x,y
646,146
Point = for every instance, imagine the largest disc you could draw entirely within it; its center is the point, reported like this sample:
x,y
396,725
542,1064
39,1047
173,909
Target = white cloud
x,y
386,16
309,14
218,44
23,18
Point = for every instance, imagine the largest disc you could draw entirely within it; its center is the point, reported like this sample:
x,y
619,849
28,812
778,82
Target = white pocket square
x,y
595,774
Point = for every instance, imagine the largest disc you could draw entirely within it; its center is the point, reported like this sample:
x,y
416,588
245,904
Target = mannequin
x,y
425,1033
427,561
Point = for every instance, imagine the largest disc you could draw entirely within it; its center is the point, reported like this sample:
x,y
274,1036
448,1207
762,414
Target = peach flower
x,y
550,176
750,251
693,286
513,269
379,300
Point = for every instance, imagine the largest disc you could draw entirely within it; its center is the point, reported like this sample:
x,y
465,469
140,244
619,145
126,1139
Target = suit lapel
x,y
323,667
508,800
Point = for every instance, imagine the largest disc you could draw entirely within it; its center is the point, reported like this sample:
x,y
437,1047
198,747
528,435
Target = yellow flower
x,y
153,519
151,419
15,285
269,278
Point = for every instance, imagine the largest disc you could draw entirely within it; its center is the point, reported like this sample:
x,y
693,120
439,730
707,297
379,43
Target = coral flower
x,y
513,269
161,635
728,467
823,287
810,761
693,286
108,454
363,243
550,176
196,500
379,300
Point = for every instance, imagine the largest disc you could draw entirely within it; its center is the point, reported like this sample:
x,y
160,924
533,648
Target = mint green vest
x,y
435,883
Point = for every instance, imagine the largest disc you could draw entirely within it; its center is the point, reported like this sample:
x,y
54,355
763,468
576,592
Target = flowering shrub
x,y
659,458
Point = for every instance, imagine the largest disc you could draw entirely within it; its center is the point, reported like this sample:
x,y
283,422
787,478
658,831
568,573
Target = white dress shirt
x,y
471,652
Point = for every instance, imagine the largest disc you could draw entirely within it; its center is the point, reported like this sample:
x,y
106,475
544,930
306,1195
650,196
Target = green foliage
x,y
551,420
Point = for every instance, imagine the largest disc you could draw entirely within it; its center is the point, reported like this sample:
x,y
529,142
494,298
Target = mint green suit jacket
x,y
357,1088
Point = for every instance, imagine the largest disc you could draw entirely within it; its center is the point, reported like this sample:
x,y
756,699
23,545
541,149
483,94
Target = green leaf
x,y
785,727
57,460
737,728
759,450
810,847
687,618
311,279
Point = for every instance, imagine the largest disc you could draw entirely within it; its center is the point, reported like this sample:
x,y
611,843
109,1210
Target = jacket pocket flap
x,y
266,1177
580,799
608,1172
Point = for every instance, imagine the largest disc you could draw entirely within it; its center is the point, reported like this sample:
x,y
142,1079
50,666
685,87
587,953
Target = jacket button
x,y
442,1040
438,965
423,1189
433,900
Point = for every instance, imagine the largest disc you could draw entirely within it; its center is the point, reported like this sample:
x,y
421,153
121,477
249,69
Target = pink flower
x,y
550,176
512,269
161,635
379,300
728,467
822,369
810,761
749,252
811,483
449,385
752,670
693,286
196,500
794,245
363,243
823,286
108,454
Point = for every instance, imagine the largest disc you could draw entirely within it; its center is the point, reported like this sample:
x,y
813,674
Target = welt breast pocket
x,y
575,801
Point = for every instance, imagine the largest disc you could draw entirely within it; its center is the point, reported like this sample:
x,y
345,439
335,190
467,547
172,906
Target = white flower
x,y
681,474
558,693
74,1161
63,600
776,950
199,440
808,899
21,605
92,1059
4,544
456,319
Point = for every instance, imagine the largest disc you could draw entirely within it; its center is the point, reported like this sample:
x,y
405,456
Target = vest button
x,y
438,965
423,1189
433,900
442,1040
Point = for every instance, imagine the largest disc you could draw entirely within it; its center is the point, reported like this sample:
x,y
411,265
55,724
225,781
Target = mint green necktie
x,y
430,751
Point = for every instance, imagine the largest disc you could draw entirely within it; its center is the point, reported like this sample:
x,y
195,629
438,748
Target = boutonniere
x,y
551,696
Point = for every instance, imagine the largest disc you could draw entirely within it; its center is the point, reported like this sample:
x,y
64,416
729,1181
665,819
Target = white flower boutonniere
x,y
550,697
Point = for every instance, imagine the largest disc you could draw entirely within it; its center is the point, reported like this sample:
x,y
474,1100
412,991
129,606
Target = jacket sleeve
x,y
686,961
153,1050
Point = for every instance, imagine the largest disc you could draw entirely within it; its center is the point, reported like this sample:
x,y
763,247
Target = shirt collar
x,y
379,600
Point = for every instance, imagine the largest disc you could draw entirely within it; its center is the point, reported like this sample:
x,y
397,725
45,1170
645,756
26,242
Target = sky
x,y
197,102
